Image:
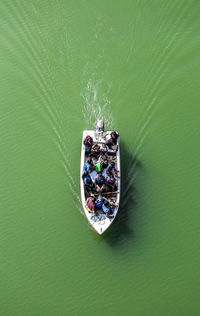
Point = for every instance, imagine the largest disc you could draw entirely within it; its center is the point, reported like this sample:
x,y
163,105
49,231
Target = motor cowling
x,y
100,126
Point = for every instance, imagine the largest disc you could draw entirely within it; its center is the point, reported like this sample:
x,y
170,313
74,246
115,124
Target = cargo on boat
x,y
100,176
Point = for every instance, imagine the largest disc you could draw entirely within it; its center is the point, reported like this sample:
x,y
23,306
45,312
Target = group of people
x,y
101,184
100,205
101,157
110,146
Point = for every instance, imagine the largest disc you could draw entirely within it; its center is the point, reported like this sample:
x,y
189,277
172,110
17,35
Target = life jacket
x,y
100,181
98,204
87,179
87,149
108,180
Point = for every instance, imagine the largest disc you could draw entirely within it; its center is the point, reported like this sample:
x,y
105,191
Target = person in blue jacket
x,y
100,183
104,207
108,209
111,183
88,184
88,165
112,142
98,205
111,169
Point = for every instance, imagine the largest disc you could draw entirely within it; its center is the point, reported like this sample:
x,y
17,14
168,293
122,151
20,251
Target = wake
x,y
96,105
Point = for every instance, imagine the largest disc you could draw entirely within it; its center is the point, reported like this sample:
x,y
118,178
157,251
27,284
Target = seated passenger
x,y
112,183
88,142
104,149
91,204
98,205
112,142
95,150
88,165
100,183
112,169
98,167
105,164
108,209
88,184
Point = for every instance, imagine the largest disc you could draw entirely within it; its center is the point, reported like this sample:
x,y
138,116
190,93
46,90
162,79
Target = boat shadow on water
x,y
122,227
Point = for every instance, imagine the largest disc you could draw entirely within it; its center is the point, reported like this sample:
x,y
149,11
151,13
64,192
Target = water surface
x,y
63,65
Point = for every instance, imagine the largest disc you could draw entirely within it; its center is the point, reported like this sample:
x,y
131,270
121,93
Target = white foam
x,y
96,105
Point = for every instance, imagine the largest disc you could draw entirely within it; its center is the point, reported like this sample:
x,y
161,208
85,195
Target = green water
x,y
63,64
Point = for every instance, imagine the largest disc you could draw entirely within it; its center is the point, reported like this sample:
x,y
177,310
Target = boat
x,y
99,219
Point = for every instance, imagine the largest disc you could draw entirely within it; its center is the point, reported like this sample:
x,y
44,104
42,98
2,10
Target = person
x,y
104,149
95,150
105,164
112,169
111,182
112,142
98,167
88,142
88,184
91,204
108,209
100,183
98,205
88,165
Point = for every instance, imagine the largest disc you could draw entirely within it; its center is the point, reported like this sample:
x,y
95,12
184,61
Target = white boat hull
x,y
101,223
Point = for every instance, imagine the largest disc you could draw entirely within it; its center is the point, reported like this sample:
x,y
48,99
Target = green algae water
x,y
63,65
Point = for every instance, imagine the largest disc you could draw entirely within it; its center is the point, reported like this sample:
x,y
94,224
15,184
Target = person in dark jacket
x,y
88,142
111,183
88,165
112,142
98,205
108,209
112,169
88,184
100,183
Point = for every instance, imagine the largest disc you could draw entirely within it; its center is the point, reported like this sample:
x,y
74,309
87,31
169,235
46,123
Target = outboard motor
x,y
100,126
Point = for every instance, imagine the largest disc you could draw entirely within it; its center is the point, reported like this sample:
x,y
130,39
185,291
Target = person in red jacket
x,y
91,204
